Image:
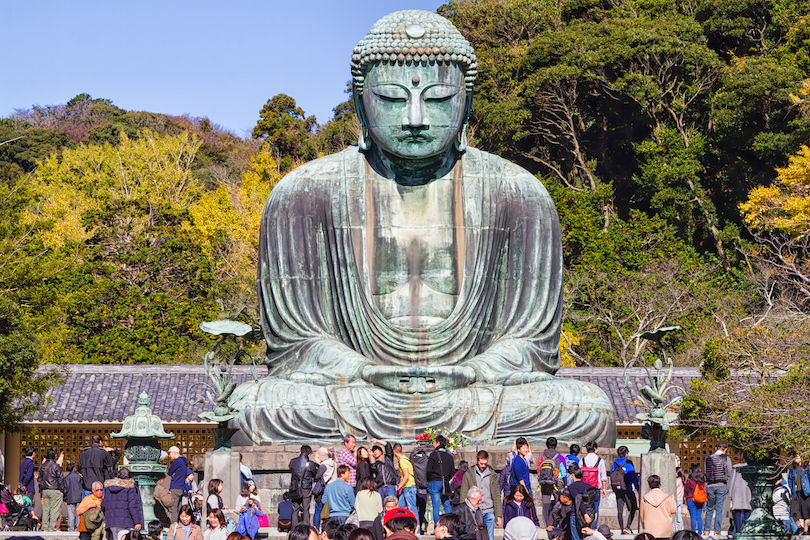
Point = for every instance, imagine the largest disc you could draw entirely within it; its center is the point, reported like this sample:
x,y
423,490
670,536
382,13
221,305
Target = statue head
x,y
413,77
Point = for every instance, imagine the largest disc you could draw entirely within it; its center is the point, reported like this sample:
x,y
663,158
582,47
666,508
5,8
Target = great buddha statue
x,y
412,281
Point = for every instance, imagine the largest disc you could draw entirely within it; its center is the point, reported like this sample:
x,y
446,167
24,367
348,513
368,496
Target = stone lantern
x,y
143,431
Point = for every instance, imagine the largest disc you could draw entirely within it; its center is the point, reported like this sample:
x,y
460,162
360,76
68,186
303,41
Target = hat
x,y
189,471
174,449
520,528
397,512
604,530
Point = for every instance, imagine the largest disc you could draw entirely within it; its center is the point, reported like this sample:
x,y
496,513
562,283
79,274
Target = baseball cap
x,y
174,449
397,512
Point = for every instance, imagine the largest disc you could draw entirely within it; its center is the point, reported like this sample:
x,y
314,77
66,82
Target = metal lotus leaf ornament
x,y
657,419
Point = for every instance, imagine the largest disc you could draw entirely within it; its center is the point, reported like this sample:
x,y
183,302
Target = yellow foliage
x,y
153,167
784,206
568,339
803,99
235,211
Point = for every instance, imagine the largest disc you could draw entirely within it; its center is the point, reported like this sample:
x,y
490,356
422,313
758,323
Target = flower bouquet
x,y
455,440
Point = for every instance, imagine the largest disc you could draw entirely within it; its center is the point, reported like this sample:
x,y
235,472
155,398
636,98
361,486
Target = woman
x,y
680,483
644,536
799,485
325,458
519,503
249,518
740,496
363,467
215,487
368,503
184,529
249,491
216,526
455,483
302,531
696,479
121,505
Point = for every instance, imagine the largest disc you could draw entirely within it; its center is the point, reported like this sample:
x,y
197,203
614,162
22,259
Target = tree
x,y
286,129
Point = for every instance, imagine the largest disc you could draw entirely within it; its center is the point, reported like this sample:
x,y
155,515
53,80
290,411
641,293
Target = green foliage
x,y
286,129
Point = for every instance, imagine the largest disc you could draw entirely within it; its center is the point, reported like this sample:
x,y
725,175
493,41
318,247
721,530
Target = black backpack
x,y
419,462
618,478
585,503
548,472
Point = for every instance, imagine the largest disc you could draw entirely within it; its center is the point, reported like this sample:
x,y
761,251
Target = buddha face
x,y
414,111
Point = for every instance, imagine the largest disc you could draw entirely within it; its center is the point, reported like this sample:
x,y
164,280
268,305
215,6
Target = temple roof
x,y
106,394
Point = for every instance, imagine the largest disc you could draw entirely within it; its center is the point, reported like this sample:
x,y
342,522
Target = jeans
x,y
716,496
695,516
576,533
316,519
407,499
786,524
489,521
598,500
680,512
740,517
437,499
339,519
73,519
387,491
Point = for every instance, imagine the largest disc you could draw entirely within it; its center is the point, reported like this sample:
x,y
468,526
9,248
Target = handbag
x,y
3,509
325,511
352,519
264,521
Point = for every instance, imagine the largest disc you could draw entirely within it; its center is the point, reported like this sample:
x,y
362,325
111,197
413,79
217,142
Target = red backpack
x,y
590,475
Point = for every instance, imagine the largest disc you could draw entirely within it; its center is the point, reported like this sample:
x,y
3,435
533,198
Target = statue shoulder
x,y
510,176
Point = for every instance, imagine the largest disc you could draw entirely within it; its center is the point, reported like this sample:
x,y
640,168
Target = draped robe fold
x,y
323,328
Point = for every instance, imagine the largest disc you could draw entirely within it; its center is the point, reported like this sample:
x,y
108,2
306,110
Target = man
x,y
624,481
484,478
448,527
657,507
244,472
330,527
407,483
594,473
551,475
96,463
601,533
340,496
177,471
440,471
92,501
717,469
302,476
520,468
469,515
389,503
51,486
382,465
72,497
419,460
27,471
399,524
347,457
583,508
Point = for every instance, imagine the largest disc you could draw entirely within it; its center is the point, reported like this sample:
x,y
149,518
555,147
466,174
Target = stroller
x,y
18,517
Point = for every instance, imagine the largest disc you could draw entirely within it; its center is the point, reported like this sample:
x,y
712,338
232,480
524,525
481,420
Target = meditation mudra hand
x,y
412,268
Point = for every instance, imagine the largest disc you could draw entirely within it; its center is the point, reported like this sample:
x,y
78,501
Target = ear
x,y
363,141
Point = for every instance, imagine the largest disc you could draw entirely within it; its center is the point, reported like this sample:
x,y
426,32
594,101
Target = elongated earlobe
x,y
461,140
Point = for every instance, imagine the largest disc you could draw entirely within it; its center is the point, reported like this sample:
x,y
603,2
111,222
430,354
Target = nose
x,y
416,117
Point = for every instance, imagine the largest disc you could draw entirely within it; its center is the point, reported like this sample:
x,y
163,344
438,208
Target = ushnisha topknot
x,y
409,37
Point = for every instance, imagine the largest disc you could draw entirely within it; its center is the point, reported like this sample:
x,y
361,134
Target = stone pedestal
x,y
225,466
663,464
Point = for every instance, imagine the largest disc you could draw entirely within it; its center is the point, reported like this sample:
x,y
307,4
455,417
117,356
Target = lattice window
x,y
629,432
71,439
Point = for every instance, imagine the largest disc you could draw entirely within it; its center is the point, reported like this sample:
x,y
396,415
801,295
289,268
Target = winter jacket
x,y
473,478
122,504
51,476
163,496
27,475
249,521
441,465
689,490
96,465
73,488
302,473
363,472
176,532
513,510
657,507
384,470
738,490
717,469
177,471
469,520
401,535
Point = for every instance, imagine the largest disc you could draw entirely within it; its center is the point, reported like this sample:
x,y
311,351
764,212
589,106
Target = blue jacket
x,y
630,476
803,476
177,471
27,475
73,488
513,509
340,496
520,471
249,521
122,504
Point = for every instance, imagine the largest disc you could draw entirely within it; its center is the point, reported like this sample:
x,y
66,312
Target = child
x,y
155,529
285,513
24,500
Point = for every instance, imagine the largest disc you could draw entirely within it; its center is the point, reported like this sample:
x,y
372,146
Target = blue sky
x,y
218,59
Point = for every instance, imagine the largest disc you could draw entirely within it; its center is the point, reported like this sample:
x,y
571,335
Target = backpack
x,y
585,503
618,479
700,496
285,515
548,472
590,475
419,462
